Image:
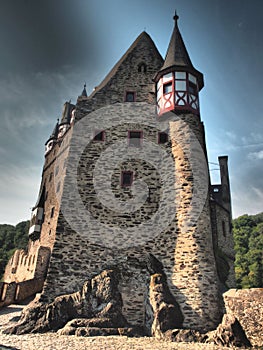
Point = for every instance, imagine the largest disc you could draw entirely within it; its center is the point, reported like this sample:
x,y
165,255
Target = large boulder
x,y
166,311
99,298
228,333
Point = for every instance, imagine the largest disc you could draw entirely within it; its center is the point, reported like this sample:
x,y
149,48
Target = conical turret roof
x,y
177,57
54,134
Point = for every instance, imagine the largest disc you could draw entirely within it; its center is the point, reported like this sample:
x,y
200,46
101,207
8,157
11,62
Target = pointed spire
x,y
84,92
177,57
54,134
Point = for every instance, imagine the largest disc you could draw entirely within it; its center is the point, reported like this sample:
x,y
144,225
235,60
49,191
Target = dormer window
x,y
130,96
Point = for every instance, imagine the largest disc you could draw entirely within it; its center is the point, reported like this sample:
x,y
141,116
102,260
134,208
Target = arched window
x,y
142,68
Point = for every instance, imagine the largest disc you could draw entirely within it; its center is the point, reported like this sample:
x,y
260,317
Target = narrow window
x,y
162,137
167,88
142,68
99,135
50,177
135,138
57,169
130,96
192,88
52,212
126,178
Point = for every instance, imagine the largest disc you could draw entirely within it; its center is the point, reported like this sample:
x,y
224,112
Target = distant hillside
x,y
12,238
248,236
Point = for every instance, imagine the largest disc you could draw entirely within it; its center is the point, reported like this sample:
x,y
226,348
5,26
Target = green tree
x,y
248,237
12,238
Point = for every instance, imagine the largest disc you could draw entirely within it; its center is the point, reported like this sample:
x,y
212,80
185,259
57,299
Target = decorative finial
x,y
84,92
176,17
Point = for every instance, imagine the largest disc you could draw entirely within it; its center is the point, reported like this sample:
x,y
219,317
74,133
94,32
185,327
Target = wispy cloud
x,y
256,155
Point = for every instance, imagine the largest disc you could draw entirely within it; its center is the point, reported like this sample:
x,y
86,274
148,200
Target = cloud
x,y
256,155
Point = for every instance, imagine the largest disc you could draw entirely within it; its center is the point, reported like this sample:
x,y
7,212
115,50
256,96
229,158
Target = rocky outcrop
x,y
246,305
229,333
99,298
166,311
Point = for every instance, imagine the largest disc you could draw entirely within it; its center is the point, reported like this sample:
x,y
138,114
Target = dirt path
x,y
53,341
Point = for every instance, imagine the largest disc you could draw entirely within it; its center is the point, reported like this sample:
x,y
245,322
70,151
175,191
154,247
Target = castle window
x,y
57,170
130,96
52,212
135,138
162,137
126,178
142,68
167,88
50,177
99,135
192,88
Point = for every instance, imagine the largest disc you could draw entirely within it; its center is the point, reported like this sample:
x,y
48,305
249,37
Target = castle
x,y
126,175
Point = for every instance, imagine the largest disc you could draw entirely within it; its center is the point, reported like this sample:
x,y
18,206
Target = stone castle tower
x,y
126,177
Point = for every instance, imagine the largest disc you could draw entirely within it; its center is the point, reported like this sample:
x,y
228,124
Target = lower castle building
x,y
126,177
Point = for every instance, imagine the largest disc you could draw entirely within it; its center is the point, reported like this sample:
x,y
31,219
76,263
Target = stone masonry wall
x,y
77,257
247,306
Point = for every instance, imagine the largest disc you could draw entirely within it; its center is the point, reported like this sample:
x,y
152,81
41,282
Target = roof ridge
x,y
113,71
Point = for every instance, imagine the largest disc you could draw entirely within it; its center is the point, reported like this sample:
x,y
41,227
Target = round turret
x,y
178,82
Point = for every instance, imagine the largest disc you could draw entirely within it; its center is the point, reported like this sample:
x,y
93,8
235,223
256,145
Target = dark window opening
x,y
142,68
52,212
57,170
50,177
126,178
99,136
135,138
167,88
130,96
192,88
162,137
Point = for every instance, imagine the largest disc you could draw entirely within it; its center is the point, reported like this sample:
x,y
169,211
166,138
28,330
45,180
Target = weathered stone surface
x,y
184,335
166,311
99,298
228,333
247,307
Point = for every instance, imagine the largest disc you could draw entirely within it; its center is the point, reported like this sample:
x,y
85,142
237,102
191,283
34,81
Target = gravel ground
x,y
53,341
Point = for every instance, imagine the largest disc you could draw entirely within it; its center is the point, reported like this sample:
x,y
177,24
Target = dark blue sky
x,y
50,48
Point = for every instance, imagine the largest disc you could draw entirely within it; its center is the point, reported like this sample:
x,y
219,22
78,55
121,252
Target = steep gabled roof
x,y
143,37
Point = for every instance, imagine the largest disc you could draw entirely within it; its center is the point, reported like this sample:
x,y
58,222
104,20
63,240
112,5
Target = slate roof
x,y
177,57
142,37
54,134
